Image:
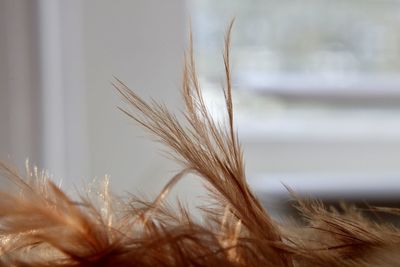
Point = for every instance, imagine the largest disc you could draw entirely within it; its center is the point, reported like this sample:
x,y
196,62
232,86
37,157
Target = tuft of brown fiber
x,y
41,226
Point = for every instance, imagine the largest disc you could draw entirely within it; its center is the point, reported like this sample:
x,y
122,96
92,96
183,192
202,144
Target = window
x,y
317,82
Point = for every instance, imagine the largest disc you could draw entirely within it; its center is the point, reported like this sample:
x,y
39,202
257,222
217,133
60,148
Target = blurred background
x,y
317,90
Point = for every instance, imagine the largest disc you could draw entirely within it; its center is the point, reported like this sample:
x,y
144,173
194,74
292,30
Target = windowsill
x,y
265,118
340,126
349,86
345,186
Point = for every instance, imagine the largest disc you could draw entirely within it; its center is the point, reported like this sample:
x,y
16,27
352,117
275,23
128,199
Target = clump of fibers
x,y
41,226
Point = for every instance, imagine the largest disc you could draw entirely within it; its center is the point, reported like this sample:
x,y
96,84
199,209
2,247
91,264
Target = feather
x,y
40,225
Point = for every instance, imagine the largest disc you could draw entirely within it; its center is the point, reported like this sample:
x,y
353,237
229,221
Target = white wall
x,y
142,43
57,105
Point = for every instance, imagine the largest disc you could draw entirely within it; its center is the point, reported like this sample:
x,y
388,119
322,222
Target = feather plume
x,y
41,226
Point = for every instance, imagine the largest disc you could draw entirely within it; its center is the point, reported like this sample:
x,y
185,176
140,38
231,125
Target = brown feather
x,y
41,226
